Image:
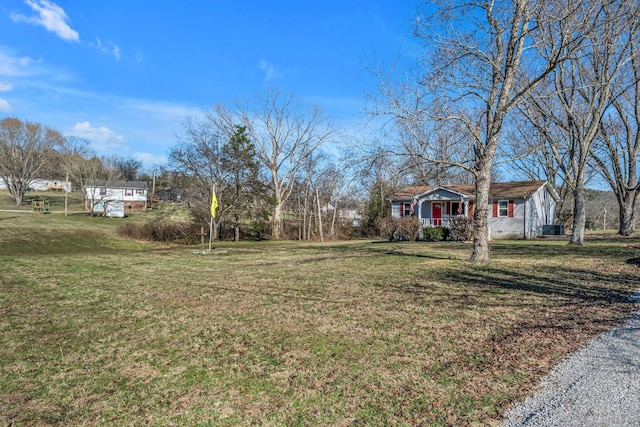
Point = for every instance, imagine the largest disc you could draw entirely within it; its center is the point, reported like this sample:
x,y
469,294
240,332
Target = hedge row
x,y
460,229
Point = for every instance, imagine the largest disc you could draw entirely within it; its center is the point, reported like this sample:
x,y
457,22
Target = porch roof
x,y
511,190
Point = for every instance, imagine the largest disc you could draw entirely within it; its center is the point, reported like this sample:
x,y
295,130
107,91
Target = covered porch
x,y
438,213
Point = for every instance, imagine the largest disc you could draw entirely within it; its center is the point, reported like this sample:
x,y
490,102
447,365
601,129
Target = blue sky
x,y
125,74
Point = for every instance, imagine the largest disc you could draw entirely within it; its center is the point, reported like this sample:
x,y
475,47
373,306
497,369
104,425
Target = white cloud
x,y
162,111
109,48
5,87
103,138
28,73
269,69
5,107
114,125
25,61
50,16
11,66
150,160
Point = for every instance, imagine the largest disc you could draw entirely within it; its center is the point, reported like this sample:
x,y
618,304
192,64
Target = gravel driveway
x,y
599,385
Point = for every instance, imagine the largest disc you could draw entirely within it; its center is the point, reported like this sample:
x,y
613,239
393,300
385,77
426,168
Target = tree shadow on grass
x,y
608,248
566,286
352,251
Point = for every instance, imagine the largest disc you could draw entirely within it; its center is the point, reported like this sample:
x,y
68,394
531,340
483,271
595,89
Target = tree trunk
x,y
333,221
304,215
480,249
17,196
319,217
237,229
300,220
579,215
276,226
628,214
215,229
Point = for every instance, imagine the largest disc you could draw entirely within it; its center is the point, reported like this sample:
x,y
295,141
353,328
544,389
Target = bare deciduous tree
x,y
129,168
198,155
25,148
75,161
482,58
530,136
617,147
285,134
582,89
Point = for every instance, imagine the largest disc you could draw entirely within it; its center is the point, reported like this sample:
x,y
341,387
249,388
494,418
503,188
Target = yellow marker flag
x,y
214,204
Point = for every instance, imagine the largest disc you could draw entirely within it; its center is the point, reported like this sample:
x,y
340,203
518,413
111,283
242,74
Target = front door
x,y
436,213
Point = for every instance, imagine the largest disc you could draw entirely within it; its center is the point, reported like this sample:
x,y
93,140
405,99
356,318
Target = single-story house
x,y
524,209
44,184
113,198
349,213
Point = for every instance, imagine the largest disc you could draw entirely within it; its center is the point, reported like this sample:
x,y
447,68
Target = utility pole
x,y
319,216
66,193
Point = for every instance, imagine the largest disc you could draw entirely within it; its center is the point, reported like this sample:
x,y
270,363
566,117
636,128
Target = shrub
x,y
161,231
258,230
386,227
399,228
408,228
460,228
434,234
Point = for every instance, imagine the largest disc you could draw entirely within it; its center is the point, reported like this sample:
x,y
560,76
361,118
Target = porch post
x,y
419,213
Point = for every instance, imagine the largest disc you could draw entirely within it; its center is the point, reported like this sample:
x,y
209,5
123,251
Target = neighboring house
x,y
51,185
350,212
113,198
45,184
525,209
169,194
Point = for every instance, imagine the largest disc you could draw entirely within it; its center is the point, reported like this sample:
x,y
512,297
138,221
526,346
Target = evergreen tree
x,y
245,193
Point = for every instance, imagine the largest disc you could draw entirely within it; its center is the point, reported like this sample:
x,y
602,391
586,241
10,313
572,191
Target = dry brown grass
x,y
99,330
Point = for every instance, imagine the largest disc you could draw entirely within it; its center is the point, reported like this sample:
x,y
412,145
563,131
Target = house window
x,y
102,191
405,209
455,207
139,191
128,192
503,208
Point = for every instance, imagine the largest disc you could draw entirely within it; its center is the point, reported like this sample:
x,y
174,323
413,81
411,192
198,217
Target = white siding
x,y
508,227
99,197
541,210
43,184
529,216
395,210
116,194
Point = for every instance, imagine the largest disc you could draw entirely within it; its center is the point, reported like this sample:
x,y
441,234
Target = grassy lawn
x,y
55,200
96,329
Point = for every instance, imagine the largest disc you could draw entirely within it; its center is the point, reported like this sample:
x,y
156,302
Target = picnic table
x,y
40,206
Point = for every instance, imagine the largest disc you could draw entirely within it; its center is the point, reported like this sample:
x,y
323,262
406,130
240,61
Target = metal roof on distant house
x,y
117,183
514,190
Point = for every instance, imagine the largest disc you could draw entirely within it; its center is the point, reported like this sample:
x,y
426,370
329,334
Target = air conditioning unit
x,y
553,230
